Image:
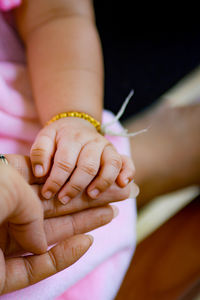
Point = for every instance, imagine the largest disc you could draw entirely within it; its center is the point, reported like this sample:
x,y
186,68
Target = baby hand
x,y
76,156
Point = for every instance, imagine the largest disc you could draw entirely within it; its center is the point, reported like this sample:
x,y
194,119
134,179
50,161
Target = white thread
x,y
124,133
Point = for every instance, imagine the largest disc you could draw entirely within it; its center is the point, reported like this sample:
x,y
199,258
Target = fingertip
x,y
47,194
125,177
93,193
64,200
44,246
91,238
38,170
125,181
135,190
122,181
115,211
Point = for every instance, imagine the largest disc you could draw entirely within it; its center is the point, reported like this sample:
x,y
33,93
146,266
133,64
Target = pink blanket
x,y
99,273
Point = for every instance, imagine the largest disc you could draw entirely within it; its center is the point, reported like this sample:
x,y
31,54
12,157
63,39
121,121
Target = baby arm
x,y
65,64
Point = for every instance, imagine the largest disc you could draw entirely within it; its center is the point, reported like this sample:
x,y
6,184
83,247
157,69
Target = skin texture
x,y
21,220
52,207
21,216
167,157
66,70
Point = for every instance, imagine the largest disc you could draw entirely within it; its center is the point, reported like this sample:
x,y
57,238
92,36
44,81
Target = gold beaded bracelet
x,y
77,114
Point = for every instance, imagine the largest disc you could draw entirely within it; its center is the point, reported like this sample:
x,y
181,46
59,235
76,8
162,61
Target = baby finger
x,y
127,171
42,151
65,160
110,167
86,169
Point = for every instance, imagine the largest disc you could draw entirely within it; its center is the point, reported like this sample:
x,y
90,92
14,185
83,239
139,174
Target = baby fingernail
x,y
126,181
65,199
48,195
94,193
39,170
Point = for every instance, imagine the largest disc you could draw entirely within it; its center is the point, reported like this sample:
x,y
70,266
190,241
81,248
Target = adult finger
x,y
21,207
53,207
23,165
25,271
59,229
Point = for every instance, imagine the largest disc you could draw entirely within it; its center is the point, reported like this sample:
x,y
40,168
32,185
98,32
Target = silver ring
x,y
3,160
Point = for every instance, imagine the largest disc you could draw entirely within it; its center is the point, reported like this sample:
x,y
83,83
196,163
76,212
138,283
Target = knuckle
x,y
50,209
90,169
77,251
116,162
106,181
75,187
55,183
65,166
29,270
37,152
73,225
50,228
53,262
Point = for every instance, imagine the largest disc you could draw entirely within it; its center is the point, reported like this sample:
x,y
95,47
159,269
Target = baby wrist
x,y
76,114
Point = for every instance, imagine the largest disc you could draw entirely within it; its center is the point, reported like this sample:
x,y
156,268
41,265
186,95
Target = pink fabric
x,y
98,274
9,4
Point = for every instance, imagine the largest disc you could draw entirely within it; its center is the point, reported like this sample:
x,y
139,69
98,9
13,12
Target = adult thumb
x,y
22,209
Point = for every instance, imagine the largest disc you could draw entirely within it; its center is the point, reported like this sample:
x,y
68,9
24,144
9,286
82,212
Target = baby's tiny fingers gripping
x,y
127,171
87,167
109,170
42,151
65,160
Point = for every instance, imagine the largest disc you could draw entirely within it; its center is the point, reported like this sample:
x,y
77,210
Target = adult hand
x,y
167,157
21,229
79,216
52,207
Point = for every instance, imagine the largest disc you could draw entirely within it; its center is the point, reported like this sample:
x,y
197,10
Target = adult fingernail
x,y
137,191
48,195
90,238
65,199
134,191
39,170
94,193
115,211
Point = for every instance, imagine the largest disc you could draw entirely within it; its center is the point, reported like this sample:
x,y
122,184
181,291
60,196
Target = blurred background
x,y
144,49
156,52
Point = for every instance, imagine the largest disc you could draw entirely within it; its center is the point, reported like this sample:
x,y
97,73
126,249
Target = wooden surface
x,y
166,265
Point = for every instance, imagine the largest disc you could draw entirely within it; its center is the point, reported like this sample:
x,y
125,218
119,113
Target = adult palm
x,y
23,228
